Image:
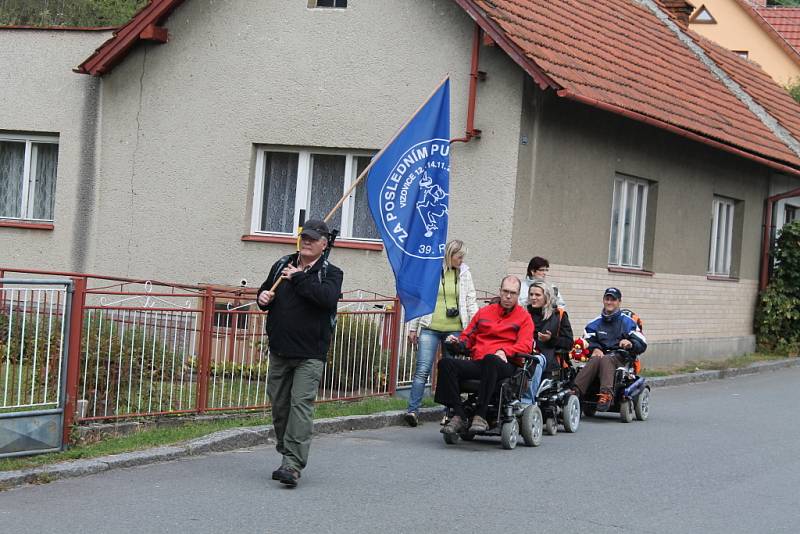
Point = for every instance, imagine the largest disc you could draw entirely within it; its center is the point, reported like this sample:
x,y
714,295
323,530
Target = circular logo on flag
x,y
414,200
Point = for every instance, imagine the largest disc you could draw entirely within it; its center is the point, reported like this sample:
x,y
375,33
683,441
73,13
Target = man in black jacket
x,y
302,312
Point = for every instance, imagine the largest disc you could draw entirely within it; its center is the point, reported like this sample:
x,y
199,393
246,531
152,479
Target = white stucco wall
x,y
39,94
180,122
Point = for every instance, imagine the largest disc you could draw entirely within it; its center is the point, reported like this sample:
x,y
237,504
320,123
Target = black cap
x,y
315,229
614,292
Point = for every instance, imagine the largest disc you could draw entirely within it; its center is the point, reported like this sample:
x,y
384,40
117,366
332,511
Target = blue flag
x,y
408,187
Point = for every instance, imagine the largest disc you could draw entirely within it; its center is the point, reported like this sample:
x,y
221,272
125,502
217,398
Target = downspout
x,y
766,239
474,75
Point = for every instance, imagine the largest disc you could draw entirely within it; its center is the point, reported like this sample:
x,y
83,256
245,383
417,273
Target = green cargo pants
x,y
292,385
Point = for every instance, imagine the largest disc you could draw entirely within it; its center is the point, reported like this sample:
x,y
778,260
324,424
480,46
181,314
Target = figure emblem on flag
x,y
433,205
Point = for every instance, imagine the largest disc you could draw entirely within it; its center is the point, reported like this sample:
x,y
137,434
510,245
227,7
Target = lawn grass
x,y
717,365
157,437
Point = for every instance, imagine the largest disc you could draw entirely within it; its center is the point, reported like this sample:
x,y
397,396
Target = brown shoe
x,y
286,475
479,424
454,426
604,400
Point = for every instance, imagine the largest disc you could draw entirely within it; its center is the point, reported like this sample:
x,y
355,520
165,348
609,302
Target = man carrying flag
x,y
302,312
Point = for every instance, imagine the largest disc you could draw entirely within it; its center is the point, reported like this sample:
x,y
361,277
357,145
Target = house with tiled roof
x,y
767,35
604,136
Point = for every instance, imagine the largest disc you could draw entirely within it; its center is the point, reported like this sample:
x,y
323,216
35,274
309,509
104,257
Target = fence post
x,y
205,351
74,354
395,344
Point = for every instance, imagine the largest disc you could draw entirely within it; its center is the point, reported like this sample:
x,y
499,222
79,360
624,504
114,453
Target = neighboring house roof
x,y
616,55
785,21
144,25
757,14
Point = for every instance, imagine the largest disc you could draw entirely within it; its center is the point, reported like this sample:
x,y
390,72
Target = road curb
x,y
223,440
705,376
239,438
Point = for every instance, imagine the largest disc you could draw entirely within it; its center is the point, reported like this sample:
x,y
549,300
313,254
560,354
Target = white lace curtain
x,y
280,185
12,164
41,197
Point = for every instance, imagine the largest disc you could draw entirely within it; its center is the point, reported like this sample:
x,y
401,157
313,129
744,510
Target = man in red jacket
x,y
495,334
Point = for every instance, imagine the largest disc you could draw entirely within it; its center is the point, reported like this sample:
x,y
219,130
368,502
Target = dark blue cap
x,y
614,292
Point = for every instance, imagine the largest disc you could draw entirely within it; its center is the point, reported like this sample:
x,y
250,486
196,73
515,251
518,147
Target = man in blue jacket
x,y
610,331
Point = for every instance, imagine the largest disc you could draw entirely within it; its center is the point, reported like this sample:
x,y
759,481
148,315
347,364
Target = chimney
x,y
681,10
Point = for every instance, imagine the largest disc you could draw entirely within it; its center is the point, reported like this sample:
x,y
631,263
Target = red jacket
x,y
493,328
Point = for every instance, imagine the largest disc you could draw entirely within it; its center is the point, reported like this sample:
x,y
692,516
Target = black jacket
x,y
302,315
560,328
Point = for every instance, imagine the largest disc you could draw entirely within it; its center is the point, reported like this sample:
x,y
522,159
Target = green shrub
x,y
356,360
115,361
68,12
777,321
16,346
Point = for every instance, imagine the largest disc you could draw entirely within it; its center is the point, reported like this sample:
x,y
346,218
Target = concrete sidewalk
x,y
238,438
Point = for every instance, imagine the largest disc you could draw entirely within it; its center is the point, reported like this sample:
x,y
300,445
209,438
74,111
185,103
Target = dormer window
x,y
702,16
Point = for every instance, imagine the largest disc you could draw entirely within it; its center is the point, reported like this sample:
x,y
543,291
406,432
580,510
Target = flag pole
x,y
373,161
377,156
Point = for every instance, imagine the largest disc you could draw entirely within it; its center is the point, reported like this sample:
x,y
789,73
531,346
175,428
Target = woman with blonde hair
x,y
552,331
455,306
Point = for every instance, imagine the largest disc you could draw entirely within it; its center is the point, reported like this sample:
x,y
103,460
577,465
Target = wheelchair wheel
x,y
589,409
450,439
626,411
467,436
572,414
550,426
510,434
531,426
642,405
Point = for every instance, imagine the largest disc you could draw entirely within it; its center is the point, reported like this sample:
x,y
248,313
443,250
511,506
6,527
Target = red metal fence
x,y
142,348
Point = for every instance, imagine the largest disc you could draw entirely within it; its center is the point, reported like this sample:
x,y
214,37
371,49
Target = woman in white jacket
x,y
455,306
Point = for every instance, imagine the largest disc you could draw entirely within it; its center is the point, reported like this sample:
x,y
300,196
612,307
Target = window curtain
x,y
327,187
280,187
12,165
363,224
45,156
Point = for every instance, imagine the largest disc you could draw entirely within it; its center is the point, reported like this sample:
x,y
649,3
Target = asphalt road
x,y
714,457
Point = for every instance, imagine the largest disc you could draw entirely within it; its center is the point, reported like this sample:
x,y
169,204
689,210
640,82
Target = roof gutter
x,y
766,239
680,131
474,75
499,36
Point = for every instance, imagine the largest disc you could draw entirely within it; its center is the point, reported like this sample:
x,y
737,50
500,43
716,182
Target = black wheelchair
x,y
507,416
631,391
555,398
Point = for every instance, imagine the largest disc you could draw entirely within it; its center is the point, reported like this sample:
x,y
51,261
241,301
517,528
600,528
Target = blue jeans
x,y
530,396
426,352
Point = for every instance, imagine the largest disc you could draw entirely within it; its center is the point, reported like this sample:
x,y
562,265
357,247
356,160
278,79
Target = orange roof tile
x,y
618,54
785,21
757,84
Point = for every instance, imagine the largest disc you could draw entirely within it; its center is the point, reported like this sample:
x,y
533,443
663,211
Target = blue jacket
x,y
605,333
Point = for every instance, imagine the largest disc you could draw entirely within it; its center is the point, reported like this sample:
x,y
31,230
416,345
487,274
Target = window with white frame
x,y
289,180
628,215
789,214
28,166
327,3
719,256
